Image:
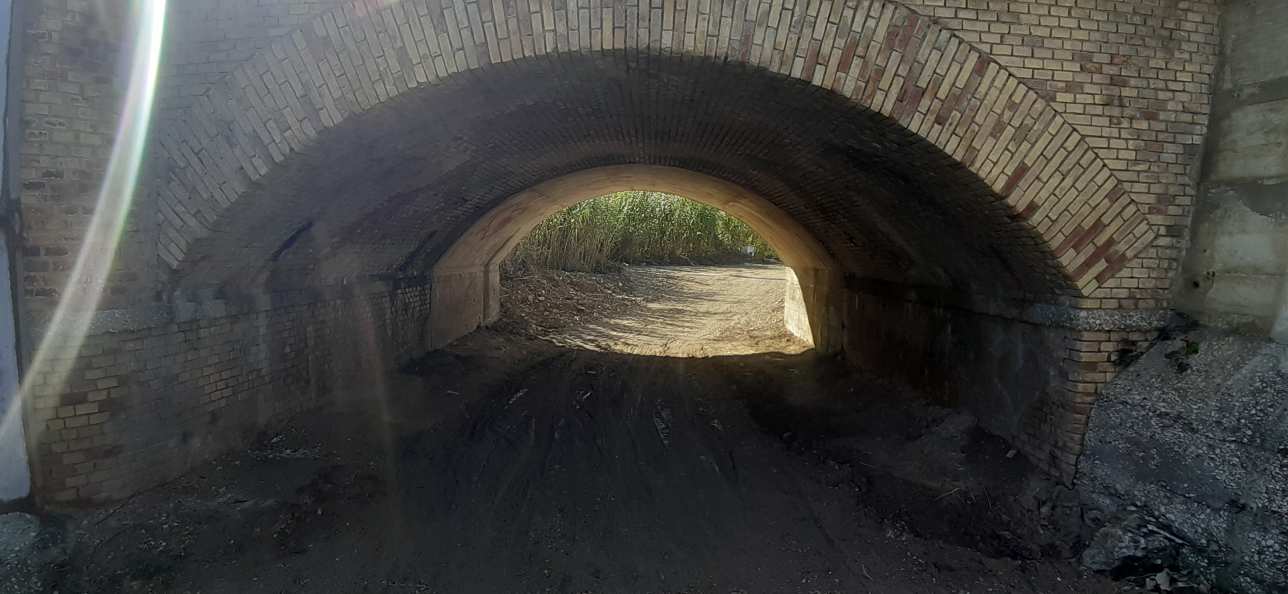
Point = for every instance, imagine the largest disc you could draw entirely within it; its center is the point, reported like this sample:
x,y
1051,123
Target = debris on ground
x,y
1184,466
538,301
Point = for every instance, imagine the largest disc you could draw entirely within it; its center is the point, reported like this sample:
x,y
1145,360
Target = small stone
x,y
1121,550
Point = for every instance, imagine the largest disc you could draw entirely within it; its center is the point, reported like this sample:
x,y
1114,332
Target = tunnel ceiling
x,y
387,191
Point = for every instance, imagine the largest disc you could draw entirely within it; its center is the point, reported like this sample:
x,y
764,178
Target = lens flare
x,y
65,331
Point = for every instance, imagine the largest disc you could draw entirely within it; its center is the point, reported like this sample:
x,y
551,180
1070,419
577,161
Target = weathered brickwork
x,y
1057,429
142,406
71,101
879,54
1035,151
206,40
1135,79
1132,77
812,154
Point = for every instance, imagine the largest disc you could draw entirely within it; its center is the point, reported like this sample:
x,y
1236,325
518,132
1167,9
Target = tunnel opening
x,y
468,276
652,273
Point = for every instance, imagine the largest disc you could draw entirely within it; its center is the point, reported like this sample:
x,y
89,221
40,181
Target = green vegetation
x,y
638,228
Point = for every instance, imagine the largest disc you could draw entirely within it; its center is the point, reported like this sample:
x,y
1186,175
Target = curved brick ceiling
x,y
376,171
391,189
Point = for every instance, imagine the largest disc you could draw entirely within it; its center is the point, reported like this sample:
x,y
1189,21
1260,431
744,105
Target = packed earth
x,y
654,430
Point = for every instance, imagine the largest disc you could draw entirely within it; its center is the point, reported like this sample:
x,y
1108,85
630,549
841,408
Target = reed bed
x,y
601,234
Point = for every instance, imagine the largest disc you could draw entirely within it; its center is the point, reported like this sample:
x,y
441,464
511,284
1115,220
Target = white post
x,y
15,477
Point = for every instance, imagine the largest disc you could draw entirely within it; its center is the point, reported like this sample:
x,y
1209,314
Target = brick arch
x,y
877,54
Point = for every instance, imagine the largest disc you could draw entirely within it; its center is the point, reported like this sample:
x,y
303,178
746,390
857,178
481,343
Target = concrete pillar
x,y
462,300
812,309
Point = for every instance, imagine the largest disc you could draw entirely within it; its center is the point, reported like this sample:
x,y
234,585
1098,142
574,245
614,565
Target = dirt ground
x,y
670,311
549,455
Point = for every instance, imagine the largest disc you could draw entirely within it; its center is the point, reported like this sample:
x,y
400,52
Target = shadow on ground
x,y
531,458
548,469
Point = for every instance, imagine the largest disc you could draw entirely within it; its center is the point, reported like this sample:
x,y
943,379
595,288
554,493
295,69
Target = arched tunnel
x,y
390,190
943,235
946,226
336,208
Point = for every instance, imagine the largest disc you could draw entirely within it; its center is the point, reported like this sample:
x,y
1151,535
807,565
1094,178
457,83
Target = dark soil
x,y
509,464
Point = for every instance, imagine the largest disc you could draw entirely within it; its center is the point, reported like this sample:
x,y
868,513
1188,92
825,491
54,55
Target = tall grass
x,y
637,228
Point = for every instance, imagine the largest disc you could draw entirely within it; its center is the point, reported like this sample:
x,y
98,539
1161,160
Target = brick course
x,y
207,40
1135,79
70,101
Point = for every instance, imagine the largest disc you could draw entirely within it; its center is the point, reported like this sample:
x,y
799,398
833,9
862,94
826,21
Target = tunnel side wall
x,y
147,400
1025,377
795,308
462,301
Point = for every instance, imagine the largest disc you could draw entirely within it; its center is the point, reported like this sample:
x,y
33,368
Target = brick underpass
x,y
222,216
316,170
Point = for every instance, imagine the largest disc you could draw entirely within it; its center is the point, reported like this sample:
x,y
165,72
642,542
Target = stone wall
x,y
1187,451
1236,272
74,75
1135,78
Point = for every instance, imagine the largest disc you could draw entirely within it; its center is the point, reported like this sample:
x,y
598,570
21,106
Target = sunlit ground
x,y
675,311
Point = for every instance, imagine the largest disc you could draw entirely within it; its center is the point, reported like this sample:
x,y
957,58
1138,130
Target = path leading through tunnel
x,y
519,463
671,311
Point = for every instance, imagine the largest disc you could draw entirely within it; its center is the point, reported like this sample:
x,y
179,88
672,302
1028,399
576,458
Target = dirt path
x,y
673,311
512,464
